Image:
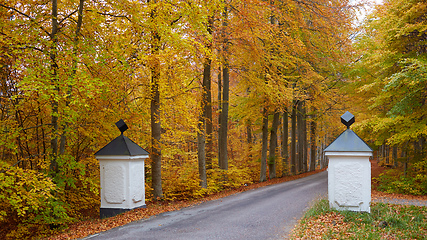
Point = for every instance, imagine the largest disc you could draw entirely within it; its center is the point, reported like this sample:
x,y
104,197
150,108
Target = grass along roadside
x,y
386,221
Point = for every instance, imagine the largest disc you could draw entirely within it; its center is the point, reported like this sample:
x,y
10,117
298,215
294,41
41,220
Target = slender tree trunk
x,y
304,136
285,152
156,154
387,154
273,146
219,109
207,82
263,176
223,155
201,134
313,146
55,81
249,132
201,153
300,136
293,138
223,158
249,137
63,139
405,154
394,156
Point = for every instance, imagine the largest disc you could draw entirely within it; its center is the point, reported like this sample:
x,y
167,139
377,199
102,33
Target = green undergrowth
x,y
414,182
386,221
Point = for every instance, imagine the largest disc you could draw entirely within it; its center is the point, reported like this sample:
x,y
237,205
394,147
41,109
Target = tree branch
x,y
25,15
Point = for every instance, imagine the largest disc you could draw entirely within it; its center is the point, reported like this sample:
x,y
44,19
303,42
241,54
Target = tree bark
x,y
63,139
285,152
394,156
207,82
219,108
300,141
202,125
249,132
223,154
54,81
304,136
249,138
201,153
313,145
293,138
263,175
273,146
156,154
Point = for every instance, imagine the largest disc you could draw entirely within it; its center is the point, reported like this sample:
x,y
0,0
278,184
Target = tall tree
x,y
207,82
313,141
273,145
263,175
294,162
55,83
285,140
156,154
223,126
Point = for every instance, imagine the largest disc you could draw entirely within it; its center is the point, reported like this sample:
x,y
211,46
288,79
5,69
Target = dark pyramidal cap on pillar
x,y
348,141
121,145
347,119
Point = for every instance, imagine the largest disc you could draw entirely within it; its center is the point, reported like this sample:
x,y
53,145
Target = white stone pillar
x,y
349,170
122,177
122,183
349,180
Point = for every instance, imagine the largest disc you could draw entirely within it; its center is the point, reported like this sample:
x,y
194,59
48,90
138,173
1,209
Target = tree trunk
x,y
405,154
304,136
202,125
201,153
55,81
273,146
156,155
207,82
313,146
63,139
387,154
223,157
249,138
300,136
285,153
394,156
219,108
263,176
293,138
249,132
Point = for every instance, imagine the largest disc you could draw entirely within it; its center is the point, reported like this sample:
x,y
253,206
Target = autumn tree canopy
x,y
207,87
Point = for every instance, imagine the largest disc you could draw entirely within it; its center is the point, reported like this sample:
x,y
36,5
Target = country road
x,y
264,213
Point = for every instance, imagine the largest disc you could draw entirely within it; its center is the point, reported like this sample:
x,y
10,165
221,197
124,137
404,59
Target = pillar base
x,y
111,212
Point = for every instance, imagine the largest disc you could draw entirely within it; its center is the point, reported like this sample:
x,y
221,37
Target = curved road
x,y
264,213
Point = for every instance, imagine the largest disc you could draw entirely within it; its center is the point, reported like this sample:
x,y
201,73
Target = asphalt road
x,y
264,213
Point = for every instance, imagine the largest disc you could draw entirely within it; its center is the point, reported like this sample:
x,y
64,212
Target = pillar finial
x,y
121,125
347,119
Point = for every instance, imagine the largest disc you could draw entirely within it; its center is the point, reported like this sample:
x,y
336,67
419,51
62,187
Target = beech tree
x,y
70,69
391,70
